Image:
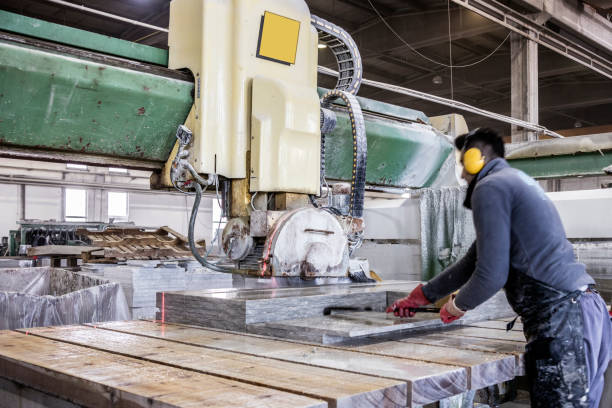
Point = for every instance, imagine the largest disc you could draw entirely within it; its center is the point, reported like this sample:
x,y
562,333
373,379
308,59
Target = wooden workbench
x,y
145,363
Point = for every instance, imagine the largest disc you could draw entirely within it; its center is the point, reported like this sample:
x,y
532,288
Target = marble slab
x,y
448,339
604,284
426,382
235,309
338,388
298,313
486,333
143,312
499,324
404,287
484,368
495,308
142,279
343,327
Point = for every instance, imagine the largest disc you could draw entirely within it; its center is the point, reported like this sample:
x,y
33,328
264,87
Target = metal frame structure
x,y
522,25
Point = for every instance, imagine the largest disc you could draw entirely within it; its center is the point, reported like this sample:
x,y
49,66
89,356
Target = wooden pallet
x,y
120,244
145,363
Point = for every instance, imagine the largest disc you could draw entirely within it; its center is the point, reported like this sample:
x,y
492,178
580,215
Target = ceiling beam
x,y
507,17
578,18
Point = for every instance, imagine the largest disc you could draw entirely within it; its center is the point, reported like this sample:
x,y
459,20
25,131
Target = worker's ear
x,y
473,160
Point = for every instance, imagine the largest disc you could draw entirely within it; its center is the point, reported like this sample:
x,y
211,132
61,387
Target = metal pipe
x,y
108,15
449,102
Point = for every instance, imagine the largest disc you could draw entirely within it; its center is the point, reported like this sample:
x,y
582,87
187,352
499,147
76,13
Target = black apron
x,y
555,358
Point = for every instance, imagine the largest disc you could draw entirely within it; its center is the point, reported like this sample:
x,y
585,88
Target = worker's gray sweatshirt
x,y
518,227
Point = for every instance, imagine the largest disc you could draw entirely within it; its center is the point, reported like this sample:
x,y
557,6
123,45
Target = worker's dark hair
x,y
481,135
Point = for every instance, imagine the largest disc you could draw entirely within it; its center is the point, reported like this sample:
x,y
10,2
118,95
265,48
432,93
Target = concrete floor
x,y
521,401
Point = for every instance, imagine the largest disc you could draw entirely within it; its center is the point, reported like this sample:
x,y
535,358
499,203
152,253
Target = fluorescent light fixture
x,y
322,45
74,166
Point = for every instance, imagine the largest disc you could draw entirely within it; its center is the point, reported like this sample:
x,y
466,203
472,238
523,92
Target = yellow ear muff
x,y
473,160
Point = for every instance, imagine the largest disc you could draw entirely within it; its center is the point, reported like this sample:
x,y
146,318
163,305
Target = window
x,y
117,206
75,206
76,166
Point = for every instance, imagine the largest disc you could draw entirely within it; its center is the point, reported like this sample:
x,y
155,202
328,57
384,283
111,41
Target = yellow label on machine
x,y
278,38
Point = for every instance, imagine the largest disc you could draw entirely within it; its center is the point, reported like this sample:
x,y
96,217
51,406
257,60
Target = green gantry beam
x,y
50,101
58,33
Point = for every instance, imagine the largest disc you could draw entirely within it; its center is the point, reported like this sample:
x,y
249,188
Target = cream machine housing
x,y
258,124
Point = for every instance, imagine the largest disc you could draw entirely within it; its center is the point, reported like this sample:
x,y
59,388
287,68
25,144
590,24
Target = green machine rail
x,y
57,98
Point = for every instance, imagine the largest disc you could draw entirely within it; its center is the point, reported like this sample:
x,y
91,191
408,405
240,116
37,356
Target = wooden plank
x,y
339,389
447,339
484,369
426,382
93,378
47,250
13,394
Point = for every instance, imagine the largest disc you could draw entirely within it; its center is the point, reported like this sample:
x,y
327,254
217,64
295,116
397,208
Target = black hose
x,y
312,201
192,219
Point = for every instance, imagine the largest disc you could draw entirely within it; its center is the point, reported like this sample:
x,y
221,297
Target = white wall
x,y
171,210
43,203
9,207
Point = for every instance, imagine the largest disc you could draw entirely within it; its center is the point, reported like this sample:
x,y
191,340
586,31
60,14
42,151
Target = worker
x,y
521,246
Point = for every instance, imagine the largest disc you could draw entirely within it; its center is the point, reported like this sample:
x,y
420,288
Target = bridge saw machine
x,y
233,110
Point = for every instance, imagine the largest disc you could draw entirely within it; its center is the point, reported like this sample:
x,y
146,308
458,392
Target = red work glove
x,y
450,312
405,307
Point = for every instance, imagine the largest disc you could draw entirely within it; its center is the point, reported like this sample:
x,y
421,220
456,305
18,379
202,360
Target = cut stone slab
x,y
342,327
495,308
235,309
142,279
93,378
498,324
484,369
448,339
347,325
486,333
298,313
426,382
140,284
339,389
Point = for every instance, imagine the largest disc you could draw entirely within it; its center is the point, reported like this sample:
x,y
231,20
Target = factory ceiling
x,y
570,95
